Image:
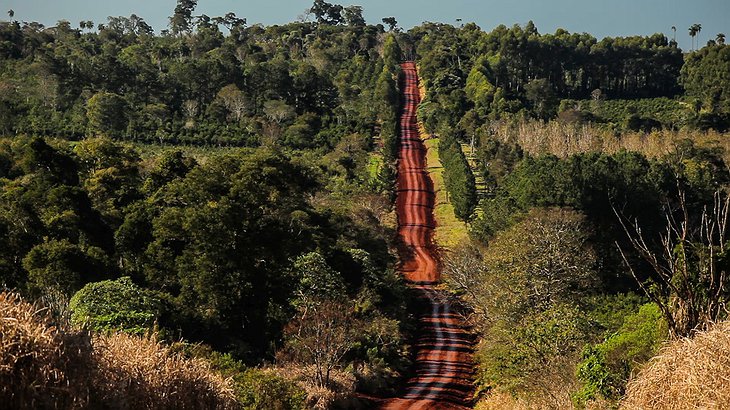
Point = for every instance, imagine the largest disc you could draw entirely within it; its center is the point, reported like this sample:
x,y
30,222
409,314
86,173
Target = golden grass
x,y
140,372
450,232
36,358
686,374
48,365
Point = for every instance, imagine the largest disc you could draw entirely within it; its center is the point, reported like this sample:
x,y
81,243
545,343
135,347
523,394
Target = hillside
x,y
309,222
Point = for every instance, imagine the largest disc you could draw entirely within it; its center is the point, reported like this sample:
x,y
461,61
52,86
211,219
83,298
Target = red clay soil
x,y
442,374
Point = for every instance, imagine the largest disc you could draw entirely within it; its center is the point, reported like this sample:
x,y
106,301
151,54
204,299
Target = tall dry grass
x,y
48,365
39,362
690,373
132,372
564,139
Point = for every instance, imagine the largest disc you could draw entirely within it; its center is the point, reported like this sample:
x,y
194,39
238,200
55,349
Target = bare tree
x,y
190,107
321,335
234,101
278,111
688,276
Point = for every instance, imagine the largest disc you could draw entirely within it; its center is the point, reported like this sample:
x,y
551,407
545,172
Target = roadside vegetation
x,y
599,236
217,196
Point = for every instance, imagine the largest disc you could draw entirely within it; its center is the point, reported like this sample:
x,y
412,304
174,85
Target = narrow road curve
x,y
442,376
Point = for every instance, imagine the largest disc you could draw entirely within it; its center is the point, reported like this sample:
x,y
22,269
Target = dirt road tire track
x,y
442,374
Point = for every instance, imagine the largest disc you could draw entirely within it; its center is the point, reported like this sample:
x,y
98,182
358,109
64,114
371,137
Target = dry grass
x,y
38,362
48,365
139,372
686,374
564,139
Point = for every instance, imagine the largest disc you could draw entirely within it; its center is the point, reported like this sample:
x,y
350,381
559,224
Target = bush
x,y
606,367
114,305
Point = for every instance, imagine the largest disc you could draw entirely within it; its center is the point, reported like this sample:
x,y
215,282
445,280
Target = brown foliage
x,y
47,365
689,373
565,139
135,372
38,362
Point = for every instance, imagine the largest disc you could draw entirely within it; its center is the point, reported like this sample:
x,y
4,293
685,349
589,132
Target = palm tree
x,y
720,39
674,29
694,30
11,13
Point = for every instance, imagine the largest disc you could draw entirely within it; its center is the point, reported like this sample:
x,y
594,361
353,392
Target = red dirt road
x,y
443,368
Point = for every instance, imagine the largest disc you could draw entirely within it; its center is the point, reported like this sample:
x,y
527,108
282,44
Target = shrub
x,y
114,305
606,367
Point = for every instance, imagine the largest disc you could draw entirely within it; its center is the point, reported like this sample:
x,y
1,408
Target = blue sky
x,y
598,17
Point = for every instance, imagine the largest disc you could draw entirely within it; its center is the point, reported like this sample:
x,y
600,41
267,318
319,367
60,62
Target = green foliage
x,y
317,280
606,367
263,390
643,114
542,260
458,178
704,76
106,113
63,266
112,305
521,357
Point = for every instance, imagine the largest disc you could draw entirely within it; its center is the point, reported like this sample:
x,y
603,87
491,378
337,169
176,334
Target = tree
x,y
541,261
327,13
11,13
233,100
720,39
689,274
392,54
353,16
541,95
321,336
391,22
278,111
64,266
107,114
694,30
317,281
113,305
182,18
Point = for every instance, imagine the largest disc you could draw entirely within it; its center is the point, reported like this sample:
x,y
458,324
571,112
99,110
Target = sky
x,y
601,18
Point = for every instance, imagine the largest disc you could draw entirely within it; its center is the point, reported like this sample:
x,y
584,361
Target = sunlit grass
x,y
450,231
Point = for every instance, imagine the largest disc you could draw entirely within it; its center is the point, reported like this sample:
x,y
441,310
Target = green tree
x,y
391,22
541,95
63,266
107,114
182,18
